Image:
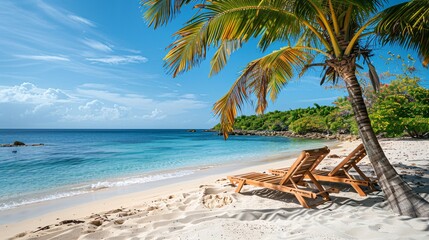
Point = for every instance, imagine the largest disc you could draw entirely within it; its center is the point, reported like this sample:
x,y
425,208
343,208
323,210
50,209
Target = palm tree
x,y
336,35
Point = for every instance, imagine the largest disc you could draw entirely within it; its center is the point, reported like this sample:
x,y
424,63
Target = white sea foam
x,y
17,203
137,180
93,187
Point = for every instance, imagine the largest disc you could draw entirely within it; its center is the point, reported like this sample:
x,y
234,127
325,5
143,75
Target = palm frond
x,y
189,49
222,54
262,77
367,6
160,12
360,10
307,65
243,19
225,22
406,24
329,75
373,76
372,73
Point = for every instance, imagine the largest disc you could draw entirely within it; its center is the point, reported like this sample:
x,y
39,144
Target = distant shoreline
x,y
311,135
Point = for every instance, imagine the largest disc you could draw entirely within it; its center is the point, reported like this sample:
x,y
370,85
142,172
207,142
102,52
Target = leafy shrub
x,y
417,127
402,106
309,124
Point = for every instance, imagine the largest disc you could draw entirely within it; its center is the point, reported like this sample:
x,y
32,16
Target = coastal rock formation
x,y
313,135
21,144
18,143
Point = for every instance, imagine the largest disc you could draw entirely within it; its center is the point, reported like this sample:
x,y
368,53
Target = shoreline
x,y
213,197
289,134
55,186
45,206
92,204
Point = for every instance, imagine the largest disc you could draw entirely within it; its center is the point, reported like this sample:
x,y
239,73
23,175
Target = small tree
x,y
402,106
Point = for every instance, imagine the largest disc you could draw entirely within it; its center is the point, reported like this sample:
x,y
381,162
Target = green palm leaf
x,y
262,77
408,25
160,12
189,49
222,54
225,24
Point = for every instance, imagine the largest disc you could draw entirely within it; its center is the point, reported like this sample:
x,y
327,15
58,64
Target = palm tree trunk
x,y
399,195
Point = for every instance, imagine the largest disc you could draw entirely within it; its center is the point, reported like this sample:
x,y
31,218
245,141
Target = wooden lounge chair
x,y
291,181
340,174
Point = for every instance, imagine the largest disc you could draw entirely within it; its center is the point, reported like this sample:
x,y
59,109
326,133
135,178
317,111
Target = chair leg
x,y
361,174
232,182
372,186
240,186
358,189
325,195
301,200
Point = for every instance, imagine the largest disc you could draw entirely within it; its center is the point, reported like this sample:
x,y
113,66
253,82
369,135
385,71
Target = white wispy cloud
x,y
94,85
131,100
91,104
31,94
189,96
81,20
86,106
41,32
51,58
97,110
130,50
119,59
97,45
63,16
155,114
168,95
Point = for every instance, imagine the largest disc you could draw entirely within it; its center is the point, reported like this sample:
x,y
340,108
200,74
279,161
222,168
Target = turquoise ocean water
x,y
75,162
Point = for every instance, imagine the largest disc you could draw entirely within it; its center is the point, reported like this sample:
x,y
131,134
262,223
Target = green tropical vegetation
x,y
401,108
321,119
336,35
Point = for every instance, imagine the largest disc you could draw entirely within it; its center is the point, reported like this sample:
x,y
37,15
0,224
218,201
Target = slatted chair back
x,y
350,161
305,163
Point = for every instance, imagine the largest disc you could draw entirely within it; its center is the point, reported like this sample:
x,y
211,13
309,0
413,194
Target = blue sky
x,y
96,64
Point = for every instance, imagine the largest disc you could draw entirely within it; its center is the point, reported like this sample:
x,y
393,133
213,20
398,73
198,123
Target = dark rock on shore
x,y
18,143
37,145
314,135
21,144
71,221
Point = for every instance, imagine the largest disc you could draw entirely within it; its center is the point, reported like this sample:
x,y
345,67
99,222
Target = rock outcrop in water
x,y
21,144
18,143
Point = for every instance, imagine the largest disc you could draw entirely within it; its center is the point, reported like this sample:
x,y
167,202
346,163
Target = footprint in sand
x,y
20,235
216,200
119,221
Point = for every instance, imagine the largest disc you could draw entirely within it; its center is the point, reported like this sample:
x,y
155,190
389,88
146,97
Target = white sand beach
x,y
208,208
